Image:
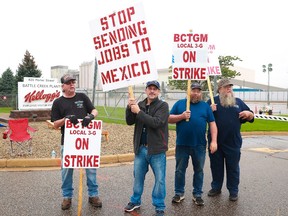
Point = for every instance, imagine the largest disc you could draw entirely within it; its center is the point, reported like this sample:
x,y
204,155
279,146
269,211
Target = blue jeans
x,y
230,158
141,167
198,155
67,181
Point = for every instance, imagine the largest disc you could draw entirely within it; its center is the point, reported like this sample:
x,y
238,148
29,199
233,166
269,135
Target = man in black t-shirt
x,y
74,106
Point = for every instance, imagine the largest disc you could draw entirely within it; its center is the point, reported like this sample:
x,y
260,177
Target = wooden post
x,y
80,192
210,90
130,90
188,95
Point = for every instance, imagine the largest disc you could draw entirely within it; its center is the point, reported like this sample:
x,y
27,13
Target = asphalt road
x,y
263,188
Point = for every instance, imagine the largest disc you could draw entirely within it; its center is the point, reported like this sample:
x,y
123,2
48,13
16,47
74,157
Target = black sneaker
x,y
198,201
233,197
131,207
214,192
159,213
177,198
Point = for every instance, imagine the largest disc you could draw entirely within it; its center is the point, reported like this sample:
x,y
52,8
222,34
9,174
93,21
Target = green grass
x,y
265,125
5,109
111,114
117,116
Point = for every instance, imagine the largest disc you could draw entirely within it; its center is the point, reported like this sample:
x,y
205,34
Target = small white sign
x,y
39,79
82,145
190,54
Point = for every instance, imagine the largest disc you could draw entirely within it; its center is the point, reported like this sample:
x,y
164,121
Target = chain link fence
x,y
115,99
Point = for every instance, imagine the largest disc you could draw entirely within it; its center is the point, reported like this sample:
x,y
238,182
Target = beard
x,y
227,100
195,99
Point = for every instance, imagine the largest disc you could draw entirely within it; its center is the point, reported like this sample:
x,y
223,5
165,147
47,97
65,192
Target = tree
x,y
225,63
7,82
28,68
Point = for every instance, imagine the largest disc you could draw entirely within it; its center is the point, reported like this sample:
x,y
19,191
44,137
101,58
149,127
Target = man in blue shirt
x,y
191,127
229,113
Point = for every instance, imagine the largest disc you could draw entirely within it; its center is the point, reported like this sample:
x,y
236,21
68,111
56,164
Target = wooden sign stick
x,y
130,91
188,95
210,90
80,192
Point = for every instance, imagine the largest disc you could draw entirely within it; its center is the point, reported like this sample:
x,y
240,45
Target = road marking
x,y
267,150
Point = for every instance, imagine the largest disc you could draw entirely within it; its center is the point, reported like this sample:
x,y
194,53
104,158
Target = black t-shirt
x,y
79,105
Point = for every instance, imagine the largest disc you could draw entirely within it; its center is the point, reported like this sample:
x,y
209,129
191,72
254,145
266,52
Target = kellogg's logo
x,y
40,95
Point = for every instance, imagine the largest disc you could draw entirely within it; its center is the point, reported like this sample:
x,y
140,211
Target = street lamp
x,y
269,69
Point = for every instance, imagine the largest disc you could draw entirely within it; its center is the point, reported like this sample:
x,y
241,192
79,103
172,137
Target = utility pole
x,y
94,81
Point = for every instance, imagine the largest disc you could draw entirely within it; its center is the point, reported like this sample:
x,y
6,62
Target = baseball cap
x,y
196,85
224,82
66,78
154,82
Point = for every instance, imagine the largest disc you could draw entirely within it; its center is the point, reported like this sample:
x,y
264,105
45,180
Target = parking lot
x,y
263,187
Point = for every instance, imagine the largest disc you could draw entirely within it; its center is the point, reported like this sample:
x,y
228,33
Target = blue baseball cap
x,y
154,82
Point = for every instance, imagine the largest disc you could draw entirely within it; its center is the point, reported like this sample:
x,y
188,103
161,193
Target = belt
x,y
144,144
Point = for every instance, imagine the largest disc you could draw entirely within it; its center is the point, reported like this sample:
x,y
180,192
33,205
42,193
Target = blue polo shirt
x,y
192,132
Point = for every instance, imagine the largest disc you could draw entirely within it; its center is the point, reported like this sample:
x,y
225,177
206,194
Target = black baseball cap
x,y
196,85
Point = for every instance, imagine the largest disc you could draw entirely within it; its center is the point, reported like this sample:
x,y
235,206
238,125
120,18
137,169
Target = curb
x,y
265,133
56,162
105,159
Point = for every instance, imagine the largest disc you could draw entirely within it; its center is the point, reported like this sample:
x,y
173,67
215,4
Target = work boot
x,y
214,192
95,201
66,203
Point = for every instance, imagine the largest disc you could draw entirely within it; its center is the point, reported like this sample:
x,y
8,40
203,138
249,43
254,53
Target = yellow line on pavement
x,y
267,150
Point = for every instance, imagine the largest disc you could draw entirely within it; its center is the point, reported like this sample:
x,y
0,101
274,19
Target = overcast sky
x,y
57,32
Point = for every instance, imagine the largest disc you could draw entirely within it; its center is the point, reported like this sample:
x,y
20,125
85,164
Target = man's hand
x,y
246,115
213,107
131,101
87,120
186,115
73,119
213,147
135,108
